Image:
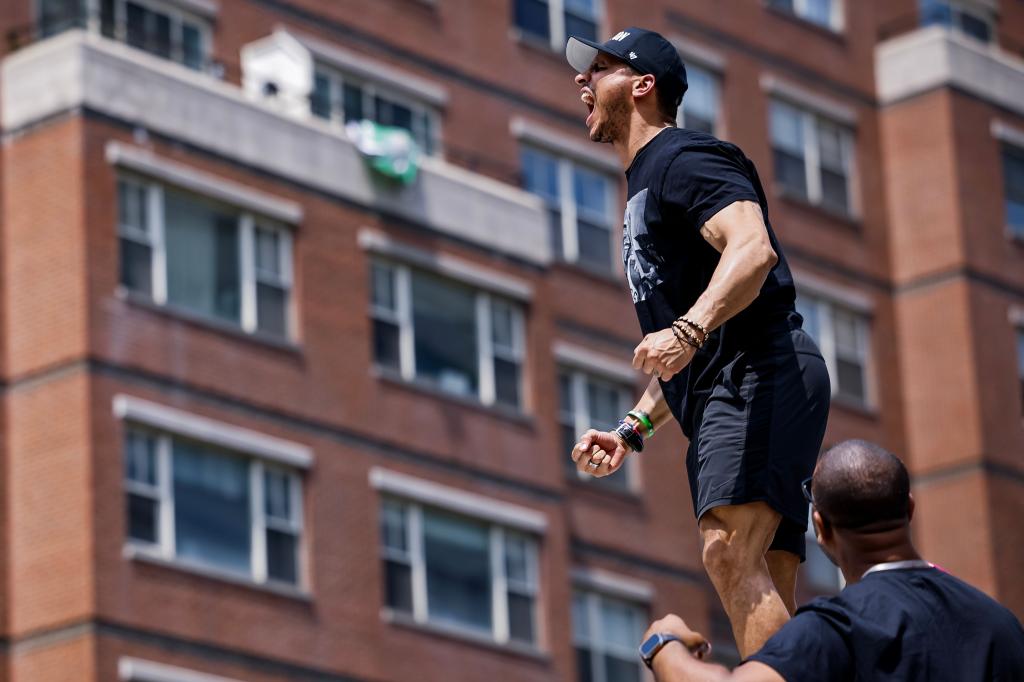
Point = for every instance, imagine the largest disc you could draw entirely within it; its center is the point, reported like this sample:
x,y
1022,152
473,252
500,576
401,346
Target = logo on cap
x,y
620,36
632,55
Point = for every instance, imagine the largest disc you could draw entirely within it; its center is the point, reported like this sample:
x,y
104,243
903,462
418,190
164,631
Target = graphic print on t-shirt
x,y
637,255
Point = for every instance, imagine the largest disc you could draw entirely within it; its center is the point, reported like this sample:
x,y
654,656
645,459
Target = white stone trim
x,y
613,584
454,499
77,69
444,264
699,54
1004,132
586,153
185,177
594,362
848,297
372,70
797,94
213,432
935,57
131,669
204,8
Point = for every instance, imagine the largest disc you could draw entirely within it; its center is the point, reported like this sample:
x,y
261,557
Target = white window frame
x,y
825,308
716,86
155,232
812,156
164,547
338,78
836,21
556,21
177,14
582,419
486,352
597,647
415,558
566,168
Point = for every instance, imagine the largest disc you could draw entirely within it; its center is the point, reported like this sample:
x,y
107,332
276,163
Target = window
x,y
202,505
188,252
553,21
446,334
965,17
813,157
585,402
827,13
150,25
341,98
820,574
459,572
1013,187
579,201
700,109
842,335
606,632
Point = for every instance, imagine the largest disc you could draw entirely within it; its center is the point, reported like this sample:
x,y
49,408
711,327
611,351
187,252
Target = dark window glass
x,y
621,670
531,17
595,245
834,190
352,102
1013,186
851,379
107,26
934,12
457,555
282,554
584,666
142,518
398,586
211,507
393,114
136,266
975,27
703,125
271,309
202,257
790,173
386,345
59,15
520,617
191,46
444,324
320,100
506,382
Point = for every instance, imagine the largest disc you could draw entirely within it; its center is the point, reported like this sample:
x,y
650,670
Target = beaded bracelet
x,y
681,339
644,419
691,337
695,325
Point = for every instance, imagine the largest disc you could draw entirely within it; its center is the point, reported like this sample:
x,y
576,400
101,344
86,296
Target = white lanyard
x,y
898,565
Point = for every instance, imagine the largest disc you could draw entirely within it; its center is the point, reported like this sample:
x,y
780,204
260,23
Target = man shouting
x,y
724,344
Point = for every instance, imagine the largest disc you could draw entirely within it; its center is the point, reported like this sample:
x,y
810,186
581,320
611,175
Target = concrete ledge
x,y
933,57
76,69
138,670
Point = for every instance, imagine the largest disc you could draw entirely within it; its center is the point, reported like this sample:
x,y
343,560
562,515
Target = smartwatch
x,y
653,644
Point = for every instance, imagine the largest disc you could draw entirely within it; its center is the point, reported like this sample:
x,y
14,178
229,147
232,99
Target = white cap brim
x,y
579,54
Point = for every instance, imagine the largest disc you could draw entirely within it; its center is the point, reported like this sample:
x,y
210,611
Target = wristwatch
x,y
653,644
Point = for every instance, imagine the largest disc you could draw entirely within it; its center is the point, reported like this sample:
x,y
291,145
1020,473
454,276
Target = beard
x,y
615,115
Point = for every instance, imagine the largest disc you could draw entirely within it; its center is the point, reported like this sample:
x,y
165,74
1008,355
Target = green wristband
x,y
644,420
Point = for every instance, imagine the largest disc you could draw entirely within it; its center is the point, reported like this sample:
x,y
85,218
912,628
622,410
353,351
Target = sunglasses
x,y
805,486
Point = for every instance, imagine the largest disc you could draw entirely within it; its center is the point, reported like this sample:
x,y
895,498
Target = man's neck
x,y
863,552
639,133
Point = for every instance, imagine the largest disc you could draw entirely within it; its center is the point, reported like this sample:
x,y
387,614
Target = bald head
x,y
857,483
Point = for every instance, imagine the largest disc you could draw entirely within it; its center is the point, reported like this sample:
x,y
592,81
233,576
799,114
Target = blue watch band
x,y
653,644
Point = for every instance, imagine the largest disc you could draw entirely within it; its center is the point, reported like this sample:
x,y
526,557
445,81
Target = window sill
x,y
835,35
194,319
143,555
431,391
802,203
468,635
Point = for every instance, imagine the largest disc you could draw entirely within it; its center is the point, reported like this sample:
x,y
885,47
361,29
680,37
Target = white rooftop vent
x,y
278,69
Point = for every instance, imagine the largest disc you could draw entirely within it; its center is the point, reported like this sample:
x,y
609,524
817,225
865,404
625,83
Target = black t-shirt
x,y
677,182
913,624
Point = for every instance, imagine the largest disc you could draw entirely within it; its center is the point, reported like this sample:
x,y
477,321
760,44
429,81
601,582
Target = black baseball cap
x,y
646,51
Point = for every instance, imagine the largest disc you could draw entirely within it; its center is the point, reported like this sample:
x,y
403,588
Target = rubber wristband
x,y
642,417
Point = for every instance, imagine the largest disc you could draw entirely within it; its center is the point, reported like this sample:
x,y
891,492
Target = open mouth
x,y
587,97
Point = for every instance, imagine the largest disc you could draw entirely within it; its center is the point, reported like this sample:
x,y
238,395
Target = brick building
x,y
269,415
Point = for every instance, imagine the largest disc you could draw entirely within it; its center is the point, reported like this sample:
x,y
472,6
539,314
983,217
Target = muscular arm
x,y
675,664
737,232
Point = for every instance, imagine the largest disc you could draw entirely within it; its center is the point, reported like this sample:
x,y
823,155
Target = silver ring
x,y
592,464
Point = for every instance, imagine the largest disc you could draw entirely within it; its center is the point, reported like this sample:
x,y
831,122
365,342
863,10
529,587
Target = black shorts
x,y
757,432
